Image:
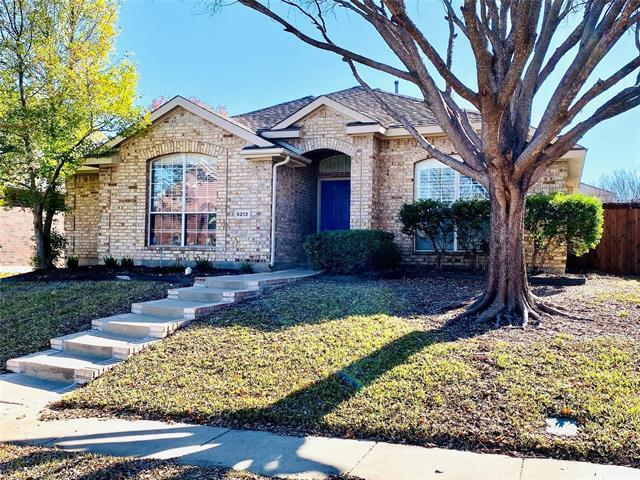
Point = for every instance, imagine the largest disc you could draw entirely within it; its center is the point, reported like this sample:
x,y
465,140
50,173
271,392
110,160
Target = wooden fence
x,y
619,249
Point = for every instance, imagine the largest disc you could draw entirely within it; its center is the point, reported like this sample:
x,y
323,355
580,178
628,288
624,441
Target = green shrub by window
x,y
352,251
431,219
203,264
471,219
126,262
72,262
110,261
245,267
555,220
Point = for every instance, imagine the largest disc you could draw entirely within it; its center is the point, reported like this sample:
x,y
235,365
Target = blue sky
x,y
244,61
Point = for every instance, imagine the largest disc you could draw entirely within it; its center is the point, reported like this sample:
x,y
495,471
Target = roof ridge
x,y
276,105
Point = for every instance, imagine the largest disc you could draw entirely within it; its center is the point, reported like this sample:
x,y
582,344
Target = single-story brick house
x,y
252,187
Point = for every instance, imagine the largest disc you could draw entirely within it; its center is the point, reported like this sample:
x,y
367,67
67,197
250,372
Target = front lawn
x,y
377,359
27,463
33,312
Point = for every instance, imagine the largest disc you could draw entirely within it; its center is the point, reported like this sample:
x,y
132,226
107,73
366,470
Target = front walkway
x,y
263,452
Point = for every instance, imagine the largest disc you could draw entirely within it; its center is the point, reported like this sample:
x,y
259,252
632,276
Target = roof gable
x,y
226,124
323,101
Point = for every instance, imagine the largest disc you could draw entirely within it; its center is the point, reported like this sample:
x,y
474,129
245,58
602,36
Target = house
x,y
606,196
251,188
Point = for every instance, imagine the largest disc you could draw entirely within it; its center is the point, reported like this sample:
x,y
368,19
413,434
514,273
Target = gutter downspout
x,y
274,185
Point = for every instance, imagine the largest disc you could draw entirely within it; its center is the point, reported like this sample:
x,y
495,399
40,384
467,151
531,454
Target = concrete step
x,y
139,325
60,366
100,344
258,280
168,307
205,294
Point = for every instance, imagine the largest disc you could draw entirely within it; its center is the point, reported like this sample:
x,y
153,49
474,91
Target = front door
x,y
334,204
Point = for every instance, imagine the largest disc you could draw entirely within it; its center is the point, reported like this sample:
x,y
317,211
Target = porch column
x,y
364,181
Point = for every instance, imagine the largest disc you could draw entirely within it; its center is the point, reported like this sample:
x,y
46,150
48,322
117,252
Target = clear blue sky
x,y
244,61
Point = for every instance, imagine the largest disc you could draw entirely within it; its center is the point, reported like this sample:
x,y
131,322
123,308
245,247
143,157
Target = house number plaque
x,y
242,214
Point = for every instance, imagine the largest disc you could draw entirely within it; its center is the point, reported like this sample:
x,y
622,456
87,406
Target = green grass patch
x,y
33,312
28,463
356,360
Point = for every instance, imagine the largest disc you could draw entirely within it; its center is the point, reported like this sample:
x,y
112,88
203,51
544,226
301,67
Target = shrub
x,y
72,262
203,264
352,251
554,220
245,267
126,262
471,219
110,261
431,219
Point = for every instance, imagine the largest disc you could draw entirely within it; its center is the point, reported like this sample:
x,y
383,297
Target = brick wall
x,y
16,232
81,221
123,192
16,238
296,212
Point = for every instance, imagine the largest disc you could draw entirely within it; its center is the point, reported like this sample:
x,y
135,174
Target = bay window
x,y
182,201
436,181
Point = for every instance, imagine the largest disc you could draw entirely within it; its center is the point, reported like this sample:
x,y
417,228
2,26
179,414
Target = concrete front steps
x,y
82,356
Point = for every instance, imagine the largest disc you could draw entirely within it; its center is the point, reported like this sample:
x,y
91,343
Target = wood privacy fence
x,y
619,249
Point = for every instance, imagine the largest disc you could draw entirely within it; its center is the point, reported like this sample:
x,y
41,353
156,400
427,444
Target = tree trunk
x,y
507,298
42,261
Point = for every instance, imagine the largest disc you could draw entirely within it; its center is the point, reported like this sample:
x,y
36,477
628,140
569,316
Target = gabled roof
x,y
358,100
228,124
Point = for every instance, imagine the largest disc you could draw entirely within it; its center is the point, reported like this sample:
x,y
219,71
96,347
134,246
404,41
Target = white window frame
x,y
183,229
429,164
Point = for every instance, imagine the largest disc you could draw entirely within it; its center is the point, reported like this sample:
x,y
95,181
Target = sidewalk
x,y
21,399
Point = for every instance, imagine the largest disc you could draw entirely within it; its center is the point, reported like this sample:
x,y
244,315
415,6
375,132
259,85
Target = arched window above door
x,y
335,164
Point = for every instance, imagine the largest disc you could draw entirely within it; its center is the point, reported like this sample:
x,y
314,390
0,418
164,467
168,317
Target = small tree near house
x,y
571,223
61,95
517,48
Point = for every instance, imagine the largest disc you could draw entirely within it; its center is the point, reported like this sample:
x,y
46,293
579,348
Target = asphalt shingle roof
x,y
356,98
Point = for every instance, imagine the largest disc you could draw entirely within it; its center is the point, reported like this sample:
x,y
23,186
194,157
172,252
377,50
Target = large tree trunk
x,y
507,298
40,238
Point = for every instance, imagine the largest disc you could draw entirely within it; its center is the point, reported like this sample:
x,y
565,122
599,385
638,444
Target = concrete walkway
x,y
21,398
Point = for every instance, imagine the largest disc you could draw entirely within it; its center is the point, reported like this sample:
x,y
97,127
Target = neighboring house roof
x,y
602,193
355,98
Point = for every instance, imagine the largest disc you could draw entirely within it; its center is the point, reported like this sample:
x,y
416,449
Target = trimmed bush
x,y
72,262
557,220
352,251
245,267
126,262
431,219
110,261
203,264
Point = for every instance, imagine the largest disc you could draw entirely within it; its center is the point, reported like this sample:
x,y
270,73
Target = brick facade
x,y
16,238
110,208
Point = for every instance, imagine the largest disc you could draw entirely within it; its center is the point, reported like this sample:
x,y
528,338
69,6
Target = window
x,y
436,181
336,164
182,201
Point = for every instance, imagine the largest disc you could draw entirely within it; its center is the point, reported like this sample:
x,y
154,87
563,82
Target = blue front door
x,y
334,204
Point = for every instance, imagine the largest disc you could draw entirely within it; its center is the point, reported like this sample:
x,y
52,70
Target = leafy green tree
x,y
430,219
558,220
471,219
61,94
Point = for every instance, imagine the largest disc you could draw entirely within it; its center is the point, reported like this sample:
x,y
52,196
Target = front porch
x,y
312,199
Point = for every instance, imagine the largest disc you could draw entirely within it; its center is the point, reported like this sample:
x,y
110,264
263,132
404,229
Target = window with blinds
x,y
436,181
